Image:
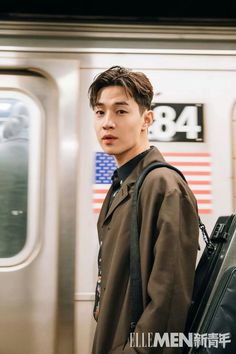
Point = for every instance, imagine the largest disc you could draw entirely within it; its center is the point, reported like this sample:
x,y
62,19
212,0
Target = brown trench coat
x,y
168,245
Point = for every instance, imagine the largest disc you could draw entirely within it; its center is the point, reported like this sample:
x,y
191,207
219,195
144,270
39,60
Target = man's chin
x,y
110,150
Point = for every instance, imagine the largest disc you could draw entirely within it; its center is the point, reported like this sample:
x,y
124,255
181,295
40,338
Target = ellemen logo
x,y
175,339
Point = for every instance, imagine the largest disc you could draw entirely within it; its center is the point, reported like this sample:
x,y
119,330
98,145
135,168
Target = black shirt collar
x,y
124,171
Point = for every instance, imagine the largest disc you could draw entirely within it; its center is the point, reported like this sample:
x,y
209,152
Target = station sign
x,y
177,122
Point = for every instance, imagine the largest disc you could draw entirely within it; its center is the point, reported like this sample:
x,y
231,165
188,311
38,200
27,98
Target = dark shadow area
x,y
136,12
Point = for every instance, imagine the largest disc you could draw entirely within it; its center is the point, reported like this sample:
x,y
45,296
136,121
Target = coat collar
x,y
152,156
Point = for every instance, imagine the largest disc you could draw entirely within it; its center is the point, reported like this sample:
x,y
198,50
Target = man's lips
x,y
108,139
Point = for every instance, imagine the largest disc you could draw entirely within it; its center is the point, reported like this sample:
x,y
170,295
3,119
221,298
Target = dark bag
x,y
135,268
213,309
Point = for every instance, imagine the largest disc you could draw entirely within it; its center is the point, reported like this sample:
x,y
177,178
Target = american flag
x,y
196,167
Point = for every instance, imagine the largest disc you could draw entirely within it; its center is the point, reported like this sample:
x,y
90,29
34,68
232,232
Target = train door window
x,y
20,135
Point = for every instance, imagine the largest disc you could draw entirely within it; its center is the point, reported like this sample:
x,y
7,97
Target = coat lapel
x,y
126,189
104,208
120,196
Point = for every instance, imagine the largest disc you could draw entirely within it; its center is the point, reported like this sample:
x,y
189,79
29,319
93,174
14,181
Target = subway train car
x,y
54,176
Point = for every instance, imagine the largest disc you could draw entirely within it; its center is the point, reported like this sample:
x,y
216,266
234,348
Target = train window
x,y
20,127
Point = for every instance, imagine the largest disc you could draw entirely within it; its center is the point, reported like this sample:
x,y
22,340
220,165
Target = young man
x,y
168,222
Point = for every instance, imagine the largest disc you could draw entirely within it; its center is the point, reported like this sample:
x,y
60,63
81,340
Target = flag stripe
x,y
100,191
188,163
197,173
96,210
204,211
199,191
198,182
190,154
95,200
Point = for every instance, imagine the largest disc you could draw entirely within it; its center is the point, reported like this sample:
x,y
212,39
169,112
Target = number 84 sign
x,y
177,122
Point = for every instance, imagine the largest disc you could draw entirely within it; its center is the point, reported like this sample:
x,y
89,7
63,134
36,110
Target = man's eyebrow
x,y
119,103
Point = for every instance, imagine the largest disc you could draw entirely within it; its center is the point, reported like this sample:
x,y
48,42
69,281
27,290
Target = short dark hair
x,y
136,83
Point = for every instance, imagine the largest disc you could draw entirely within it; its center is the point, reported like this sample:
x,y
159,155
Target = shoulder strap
x,y
135,267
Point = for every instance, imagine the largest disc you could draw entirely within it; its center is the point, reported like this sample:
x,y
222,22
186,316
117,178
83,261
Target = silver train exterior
x,y
52,179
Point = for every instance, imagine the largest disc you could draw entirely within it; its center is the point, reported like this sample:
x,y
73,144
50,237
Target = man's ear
x,y
148,119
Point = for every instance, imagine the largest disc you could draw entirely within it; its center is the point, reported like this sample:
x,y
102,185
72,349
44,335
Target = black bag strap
x,y
135,266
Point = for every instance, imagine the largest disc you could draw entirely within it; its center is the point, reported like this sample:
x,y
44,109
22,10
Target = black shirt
x,y
121,173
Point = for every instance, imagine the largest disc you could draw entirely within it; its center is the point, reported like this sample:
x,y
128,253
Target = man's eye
x,y
121,111
99,113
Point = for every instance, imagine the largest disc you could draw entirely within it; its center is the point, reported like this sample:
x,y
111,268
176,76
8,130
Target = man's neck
x,y
121,159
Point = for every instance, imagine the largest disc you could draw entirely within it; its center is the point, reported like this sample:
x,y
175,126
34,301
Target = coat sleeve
x,y
167,290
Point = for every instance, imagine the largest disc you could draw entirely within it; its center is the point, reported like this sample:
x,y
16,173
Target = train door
x,y
193,102
38,147
234,151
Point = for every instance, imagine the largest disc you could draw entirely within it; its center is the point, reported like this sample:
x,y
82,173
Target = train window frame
x,y
34,185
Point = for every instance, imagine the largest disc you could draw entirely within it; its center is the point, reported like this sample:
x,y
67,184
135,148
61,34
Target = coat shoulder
x,y
164,181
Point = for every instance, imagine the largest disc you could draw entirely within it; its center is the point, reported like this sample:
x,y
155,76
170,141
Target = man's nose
x,y
108,121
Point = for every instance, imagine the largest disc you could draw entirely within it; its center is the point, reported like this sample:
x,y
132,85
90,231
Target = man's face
x,y
119,125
